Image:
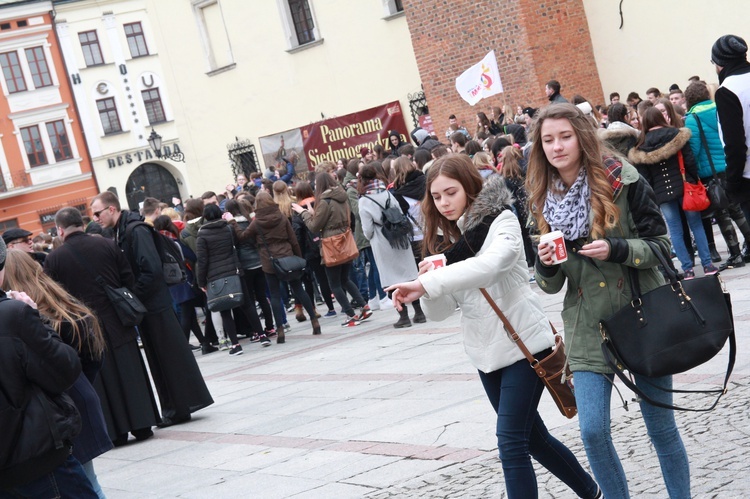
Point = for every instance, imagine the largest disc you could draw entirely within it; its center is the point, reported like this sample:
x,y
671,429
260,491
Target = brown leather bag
x,y
550,369
339,249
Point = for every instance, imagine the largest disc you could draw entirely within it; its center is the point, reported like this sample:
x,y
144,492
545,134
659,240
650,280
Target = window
x,y
108,115
302,21
38,66
136,40
32,141
92,53
392,7
8,224
154,109
214,36
12,72
58,137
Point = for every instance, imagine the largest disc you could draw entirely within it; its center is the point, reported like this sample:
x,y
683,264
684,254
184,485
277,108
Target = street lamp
x,y
154,141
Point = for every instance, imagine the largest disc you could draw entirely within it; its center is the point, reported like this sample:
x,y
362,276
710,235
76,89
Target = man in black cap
x,y
20,239
729,55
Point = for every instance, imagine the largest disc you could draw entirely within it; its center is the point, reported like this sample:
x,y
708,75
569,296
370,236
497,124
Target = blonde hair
x,y
171,213
483,161
55,305
325,167
282,198
540,173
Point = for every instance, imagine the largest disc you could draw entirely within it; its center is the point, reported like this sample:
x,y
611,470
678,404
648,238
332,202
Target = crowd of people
x,y
611,180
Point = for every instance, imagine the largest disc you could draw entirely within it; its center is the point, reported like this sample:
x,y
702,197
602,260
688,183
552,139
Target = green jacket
x,y
597,289
350,185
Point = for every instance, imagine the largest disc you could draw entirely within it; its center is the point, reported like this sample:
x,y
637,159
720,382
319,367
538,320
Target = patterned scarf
x,y
569,212
374,186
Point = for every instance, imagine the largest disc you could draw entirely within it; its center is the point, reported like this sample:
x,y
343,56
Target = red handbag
x,y
695,197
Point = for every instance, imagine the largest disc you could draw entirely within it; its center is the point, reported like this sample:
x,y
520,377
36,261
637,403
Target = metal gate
x,y
417,106
243,156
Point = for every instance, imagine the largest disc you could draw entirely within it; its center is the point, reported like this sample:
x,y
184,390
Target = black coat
x,y
35,366
104,258
657,160
215,250
140,251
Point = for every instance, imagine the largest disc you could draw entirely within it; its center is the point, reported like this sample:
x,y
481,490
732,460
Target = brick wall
x,y
534,41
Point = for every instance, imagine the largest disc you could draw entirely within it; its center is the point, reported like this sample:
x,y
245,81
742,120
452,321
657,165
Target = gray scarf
x,y
569,212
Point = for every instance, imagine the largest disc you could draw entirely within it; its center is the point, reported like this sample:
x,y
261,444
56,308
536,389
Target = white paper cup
x,y
437,260
560,253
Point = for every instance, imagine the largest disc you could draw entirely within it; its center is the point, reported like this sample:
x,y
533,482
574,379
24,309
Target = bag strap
x,y
705,145
635,285
619,367
98,277
509,328
681,162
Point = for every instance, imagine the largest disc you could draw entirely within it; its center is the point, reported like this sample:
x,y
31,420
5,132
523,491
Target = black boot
x,y
715,256
419,317
735,259
403,318
745,253
207,348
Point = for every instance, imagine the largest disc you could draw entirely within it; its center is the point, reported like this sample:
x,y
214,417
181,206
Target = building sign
x,y
139,156
342,137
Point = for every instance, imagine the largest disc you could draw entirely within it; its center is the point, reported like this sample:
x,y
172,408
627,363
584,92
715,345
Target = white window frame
x,y
57,113
290,34
19,47
208,50
390,11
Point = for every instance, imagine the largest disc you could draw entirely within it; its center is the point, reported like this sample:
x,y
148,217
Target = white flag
x,y
480,81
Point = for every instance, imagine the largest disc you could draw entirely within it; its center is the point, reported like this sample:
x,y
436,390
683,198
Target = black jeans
x,y
338,278
255,281
274,288
189,321
314,266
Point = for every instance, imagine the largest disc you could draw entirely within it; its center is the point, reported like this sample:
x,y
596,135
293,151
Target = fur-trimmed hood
x,y
660,145
617,130
490,201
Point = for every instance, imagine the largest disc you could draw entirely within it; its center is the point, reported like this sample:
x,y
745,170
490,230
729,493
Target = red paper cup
x,y
437,260
556,238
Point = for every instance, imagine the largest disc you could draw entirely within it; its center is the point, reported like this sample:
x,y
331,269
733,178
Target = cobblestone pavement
x,y
379,413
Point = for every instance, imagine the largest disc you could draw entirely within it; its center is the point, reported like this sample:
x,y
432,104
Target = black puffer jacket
x,y
38,420
656,159
216,255
246,250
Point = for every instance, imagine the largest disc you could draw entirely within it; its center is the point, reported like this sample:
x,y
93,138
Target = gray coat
x,y
394,265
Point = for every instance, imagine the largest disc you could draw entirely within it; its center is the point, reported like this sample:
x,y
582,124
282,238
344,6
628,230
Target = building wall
x,y
363,61
122,77
533,41
660,43
31,193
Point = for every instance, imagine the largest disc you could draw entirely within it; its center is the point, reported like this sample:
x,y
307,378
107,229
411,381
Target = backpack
x,y
172,262
395,225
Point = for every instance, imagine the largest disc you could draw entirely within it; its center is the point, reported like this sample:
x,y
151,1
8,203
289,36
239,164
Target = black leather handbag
x,y
287,268
670,329
224,293
715,189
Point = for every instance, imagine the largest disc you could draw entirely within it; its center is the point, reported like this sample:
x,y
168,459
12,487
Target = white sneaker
x,y
374,304
385,303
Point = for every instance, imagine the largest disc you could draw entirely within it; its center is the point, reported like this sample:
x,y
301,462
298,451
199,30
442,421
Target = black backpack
x,y
395,224
172,261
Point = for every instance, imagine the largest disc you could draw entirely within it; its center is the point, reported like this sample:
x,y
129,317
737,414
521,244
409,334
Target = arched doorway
x,y
150,180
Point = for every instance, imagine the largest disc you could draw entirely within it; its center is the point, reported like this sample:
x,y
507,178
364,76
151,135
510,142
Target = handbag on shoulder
x,y
225,293
694,196
670,329
341,248
286,268
552,370
716,191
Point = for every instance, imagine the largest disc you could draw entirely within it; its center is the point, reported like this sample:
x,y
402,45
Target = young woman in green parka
x,y
607,212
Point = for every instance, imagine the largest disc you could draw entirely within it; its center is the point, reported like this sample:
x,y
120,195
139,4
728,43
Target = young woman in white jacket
x,y
483,246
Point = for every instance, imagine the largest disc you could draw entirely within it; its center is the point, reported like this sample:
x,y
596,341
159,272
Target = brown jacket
x,y
331,213
278,233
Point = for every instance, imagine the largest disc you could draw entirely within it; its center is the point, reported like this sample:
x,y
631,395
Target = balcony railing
x,y
12,181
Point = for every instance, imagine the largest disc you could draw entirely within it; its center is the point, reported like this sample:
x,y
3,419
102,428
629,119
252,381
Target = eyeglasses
x,y
97,213
25,240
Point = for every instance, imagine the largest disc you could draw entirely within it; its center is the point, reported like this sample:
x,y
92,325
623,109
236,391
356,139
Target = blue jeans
x,y
514,392
67,480
593,393
358,276
671,211
373,278
88,468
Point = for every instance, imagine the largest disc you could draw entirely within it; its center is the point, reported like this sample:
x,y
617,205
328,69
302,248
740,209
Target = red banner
x,y
344,136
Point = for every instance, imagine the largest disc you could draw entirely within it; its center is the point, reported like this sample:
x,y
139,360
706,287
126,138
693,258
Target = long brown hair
x,y
651,118
282,198
54,304
457,167
540,173
511,162
403,167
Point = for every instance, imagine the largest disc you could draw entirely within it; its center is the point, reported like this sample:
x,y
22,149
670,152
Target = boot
x,y
316,325
735,259
300,313
280,337
745,253
419,317
403,318
715,256
207,348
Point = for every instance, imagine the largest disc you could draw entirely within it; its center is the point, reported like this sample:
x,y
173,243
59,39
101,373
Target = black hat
x,y
15,233
728,49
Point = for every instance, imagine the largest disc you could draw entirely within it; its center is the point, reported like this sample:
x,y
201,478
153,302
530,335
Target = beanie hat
x,y
364,152
728,49
3,253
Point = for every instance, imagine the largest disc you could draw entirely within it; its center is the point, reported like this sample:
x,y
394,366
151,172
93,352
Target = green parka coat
x,y
596,288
